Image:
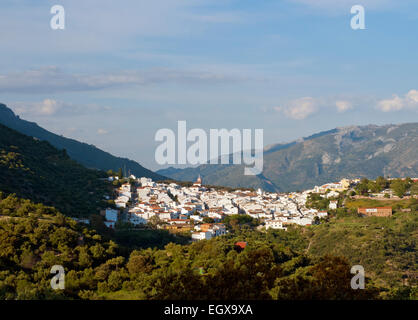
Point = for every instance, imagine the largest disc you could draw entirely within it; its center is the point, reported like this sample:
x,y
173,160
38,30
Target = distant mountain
x,y
87,155
35,170
355,151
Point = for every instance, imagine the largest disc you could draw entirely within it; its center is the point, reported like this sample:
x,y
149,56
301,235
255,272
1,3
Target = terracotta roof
x,y
241,244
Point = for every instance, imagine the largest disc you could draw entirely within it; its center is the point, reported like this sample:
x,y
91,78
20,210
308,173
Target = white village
x,y
200,210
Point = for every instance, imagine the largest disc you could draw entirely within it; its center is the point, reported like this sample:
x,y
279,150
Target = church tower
x,y
198,181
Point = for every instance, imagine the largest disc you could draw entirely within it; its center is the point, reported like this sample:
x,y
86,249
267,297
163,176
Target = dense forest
x,y
35,170
274,264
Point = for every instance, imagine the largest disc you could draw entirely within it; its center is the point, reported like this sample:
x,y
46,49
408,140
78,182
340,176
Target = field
x,y
395,204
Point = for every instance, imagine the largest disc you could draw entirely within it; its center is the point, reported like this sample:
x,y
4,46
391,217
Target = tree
x,y
115,280
329,279
208,220
399,187
84,258
414,188
120,173
155,221
138,264
98,251
363,187
381,183
373,187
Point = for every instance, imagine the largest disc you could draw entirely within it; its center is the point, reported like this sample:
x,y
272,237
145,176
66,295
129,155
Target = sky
x,y
122,70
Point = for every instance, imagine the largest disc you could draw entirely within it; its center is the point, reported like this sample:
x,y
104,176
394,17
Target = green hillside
x,y
386,248
35,170
301,263
86,154
38,237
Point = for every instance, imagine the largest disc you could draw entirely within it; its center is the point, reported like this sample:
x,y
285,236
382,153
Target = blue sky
x,y
122,70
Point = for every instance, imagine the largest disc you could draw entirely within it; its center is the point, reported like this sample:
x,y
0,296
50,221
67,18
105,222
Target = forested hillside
x,y
38,237
35,170
295,264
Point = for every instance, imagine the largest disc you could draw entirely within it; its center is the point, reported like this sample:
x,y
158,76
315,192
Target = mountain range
x,y
348,152
86,154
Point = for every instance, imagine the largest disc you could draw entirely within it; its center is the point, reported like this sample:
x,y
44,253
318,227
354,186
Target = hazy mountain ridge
x,y
88,155
354,151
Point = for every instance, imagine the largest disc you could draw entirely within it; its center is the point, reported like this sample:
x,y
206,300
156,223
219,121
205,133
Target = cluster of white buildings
x,y
180,208
201,211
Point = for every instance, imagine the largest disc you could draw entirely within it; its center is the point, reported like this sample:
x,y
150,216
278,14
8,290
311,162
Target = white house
x,y
120,204
201,235
218,229
196,217
302,221
165,216
333,205
215,215
275,224
322,214
332,194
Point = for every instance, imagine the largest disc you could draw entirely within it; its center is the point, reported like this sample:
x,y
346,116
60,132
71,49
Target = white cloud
x,y
51,107
394,104
412,97
302,108
46,107
343,105
409,101
299,108
51,79
102,131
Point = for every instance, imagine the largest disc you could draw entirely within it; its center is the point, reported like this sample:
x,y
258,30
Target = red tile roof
x,y
241,244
